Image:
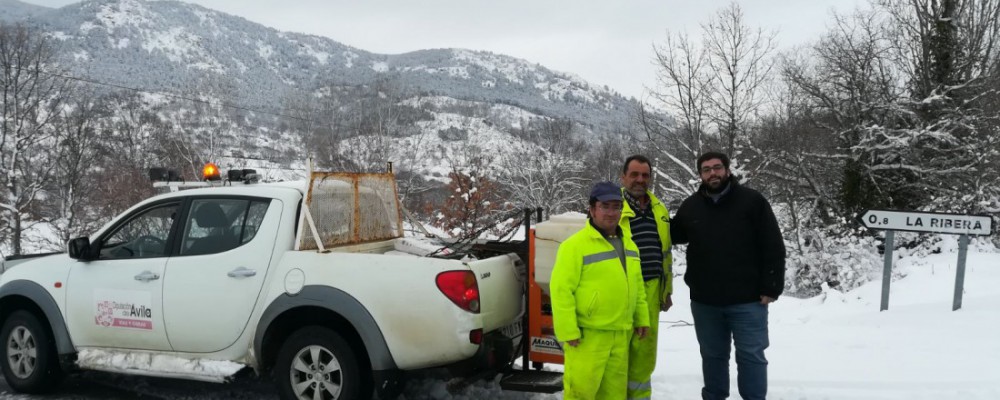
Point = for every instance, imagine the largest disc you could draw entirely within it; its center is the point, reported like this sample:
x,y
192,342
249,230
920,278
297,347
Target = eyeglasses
x,y
610,206
716,167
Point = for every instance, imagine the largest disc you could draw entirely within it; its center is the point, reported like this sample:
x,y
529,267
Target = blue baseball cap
x,y
606,191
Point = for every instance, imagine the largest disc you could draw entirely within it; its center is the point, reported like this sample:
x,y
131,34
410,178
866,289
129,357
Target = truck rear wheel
x,y
317,363
29,360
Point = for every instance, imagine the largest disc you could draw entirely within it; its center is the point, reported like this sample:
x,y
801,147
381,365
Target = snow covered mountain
x,y
184,48
13,10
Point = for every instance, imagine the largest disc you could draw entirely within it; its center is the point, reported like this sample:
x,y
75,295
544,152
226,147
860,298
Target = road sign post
x,y
887,270
963,246
926,222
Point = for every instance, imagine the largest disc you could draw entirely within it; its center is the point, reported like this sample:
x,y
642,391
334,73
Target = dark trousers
x,y
717,327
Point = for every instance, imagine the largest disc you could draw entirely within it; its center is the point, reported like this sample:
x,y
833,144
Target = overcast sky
x,y
604,41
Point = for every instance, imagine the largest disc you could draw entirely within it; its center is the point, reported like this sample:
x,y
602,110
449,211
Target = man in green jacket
x,y
646,221
598,301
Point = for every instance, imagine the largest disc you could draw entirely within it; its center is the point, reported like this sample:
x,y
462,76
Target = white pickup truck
x,y
289,281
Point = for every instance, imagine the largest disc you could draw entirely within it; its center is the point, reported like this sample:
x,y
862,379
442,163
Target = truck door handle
x,y
146,276
241,272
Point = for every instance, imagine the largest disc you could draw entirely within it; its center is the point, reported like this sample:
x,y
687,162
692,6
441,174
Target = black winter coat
x,y
735,249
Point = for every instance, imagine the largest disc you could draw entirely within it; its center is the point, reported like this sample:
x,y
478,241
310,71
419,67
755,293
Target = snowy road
x,y
92,385
76,388
98,385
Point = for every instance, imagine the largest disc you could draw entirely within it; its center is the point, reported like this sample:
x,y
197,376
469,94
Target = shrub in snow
x,y
842,262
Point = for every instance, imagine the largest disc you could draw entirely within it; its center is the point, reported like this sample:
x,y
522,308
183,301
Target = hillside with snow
x,y
456,132
185,48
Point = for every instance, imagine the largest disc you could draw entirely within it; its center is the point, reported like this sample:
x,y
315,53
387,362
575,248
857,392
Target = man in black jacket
x,y
735,268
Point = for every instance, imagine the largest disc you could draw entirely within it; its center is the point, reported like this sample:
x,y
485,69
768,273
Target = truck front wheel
x,y
317,363
29,360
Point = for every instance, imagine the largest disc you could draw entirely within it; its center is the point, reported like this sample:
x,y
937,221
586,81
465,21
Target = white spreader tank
x,y
548,235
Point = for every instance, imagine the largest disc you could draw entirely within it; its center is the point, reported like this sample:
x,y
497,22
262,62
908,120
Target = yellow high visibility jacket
x,y
663,229
590,288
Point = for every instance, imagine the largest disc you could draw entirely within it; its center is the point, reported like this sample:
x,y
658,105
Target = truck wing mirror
x,y
79,249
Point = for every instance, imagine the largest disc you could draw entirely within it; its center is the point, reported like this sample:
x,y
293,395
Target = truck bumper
x,y
495,354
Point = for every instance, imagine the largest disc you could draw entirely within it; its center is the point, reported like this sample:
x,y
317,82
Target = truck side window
x,y
218,225
255,215
142,236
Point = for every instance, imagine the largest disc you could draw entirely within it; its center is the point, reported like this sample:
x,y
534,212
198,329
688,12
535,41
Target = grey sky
x,y
605,42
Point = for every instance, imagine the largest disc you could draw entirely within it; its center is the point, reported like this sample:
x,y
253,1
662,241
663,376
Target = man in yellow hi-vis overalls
x,y
598,301
646,221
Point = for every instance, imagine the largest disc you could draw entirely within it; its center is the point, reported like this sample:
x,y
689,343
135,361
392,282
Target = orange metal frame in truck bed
x,y
541,346
544,348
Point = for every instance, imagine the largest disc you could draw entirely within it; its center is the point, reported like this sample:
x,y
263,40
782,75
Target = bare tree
x,y
674,148
542,179
740,62
320,119
604,161
378,120
407,156
30,94
849,85
554,172
715,90
74,202
683,87
800,163
558,135
133,140
351,128
196,136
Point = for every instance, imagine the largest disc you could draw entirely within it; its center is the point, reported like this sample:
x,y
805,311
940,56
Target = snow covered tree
x,y
849,86
73,206
907,91
30,94
947,147
551,175
901,113
541,179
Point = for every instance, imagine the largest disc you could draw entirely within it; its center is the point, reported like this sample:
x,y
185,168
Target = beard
x,y
713,186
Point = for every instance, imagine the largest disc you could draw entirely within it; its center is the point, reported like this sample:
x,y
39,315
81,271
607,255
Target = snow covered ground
x,y
839,346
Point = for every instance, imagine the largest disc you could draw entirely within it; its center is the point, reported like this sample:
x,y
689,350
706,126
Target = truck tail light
x,y
461,288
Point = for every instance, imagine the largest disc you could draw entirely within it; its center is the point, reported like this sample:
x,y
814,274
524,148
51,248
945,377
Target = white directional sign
x,y
956,224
